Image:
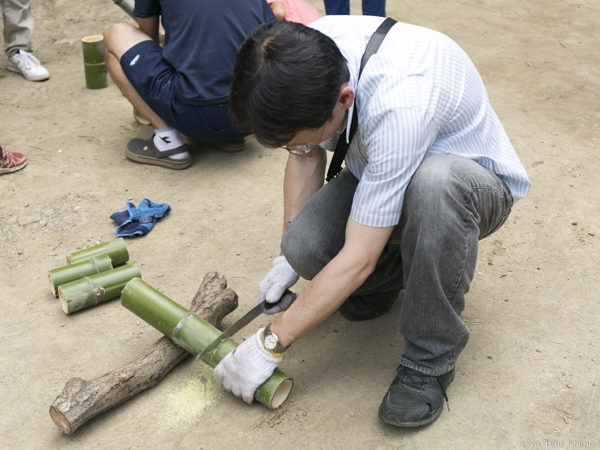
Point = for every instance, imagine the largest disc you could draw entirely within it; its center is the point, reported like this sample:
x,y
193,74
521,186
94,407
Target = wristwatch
x,y
271,343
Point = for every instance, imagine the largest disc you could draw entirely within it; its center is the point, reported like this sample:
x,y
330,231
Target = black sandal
x,y
145,152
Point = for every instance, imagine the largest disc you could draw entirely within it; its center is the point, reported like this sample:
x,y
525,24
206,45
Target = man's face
x,y
319,135
327,131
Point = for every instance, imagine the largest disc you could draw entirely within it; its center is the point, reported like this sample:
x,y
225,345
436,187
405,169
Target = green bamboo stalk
x,y
73,272
193,334
96,74
116,249
95,289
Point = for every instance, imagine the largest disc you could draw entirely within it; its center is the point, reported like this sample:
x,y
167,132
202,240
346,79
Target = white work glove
x,y
281,277
247,367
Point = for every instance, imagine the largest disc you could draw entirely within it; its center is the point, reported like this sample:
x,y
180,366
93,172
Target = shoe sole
x,y
421,423
16,70
12,169
145,152
230,147
161,162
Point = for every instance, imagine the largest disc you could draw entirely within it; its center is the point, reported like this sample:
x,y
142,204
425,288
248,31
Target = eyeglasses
x,y
303,149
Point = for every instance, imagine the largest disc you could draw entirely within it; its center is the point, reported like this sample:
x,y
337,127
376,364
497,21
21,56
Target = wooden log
x,y
73,272
116,249
194,334
82,400
95,289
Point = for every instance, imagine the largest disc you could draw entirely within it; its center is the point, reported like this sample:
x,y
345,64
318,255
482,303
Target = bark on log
x,y
81,400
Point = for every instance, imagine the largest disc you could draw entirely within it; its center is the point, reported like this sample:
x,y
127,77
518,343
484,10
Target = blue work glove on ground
x,y
247,367
139,221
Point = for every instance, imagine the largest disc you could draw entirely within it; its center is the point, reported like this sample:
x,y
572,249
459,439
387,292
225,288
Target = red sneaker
x,y
11,161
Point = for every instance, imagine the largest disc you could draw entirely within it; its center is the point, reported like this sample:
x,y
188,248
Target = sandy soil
x,y
529,376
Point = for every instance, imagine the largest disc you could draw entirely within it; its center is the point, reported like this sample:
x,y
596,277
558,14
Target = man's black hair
x,y
286,79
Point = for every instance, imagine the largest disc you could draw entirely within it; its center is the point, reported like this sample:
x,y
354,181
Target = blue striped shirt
x,y
419,94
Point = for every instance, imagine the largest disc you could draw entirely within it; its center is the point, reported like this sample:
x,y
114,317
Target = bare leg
x,y
119,38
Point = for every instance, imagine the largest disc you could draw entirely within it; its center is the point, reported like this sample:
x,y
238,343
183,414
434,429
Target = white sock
x,y
168,139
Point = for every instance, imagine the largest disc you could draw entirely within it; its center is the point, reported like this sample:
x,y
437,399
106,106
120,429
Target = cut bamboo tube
x,y
96,74
73,272
116,249
192,333
95,289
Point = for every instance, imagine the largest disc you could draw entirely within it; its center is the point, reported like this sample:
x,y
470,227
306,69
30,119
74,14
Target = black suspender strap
x,y
342,146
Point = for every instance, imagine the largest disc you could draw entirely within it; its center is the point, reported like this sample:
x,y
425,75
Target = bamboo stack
x,y
92,276
116,249
73,272
95,289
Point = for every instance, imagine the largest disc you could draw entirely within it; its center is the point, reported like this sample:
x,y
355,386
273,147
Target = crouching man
x,y
428,174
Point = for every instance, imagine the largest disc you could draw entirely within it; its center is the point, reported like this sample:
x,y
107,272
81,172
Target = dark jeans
x,y
450,204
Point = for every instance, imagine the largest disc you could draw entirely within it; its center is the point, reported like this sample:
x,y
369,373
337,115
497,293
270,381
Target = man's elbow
x,y
365,269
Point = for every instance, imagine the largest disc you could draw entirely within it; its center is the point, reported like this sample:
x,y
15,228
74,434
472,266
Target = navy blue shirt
x,y
202,39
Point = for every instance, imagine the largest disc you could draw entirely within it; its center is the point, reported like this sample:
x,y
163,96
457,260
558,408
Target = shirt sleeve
x,y
146,8
395,143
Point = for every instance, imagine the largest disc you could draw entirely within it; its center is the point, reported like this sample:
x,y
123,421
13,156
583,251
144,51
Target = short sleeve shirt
x,y
202,39
419,94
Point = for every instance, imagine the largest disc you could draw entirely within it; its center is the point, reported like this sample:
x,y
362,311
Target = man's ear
x,y
346,97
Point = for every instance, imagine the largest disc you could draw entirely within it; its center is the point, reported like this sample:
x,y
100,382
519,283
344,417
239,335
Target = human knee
x,y
303,252
113,35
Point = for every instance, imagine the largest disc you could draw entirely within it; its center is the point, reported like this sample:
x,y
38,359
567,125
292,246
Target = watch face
x,y
270,342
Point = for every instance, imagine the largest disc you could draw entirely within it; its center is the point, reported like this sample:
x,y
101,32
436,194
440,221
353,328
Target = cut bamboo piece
x,y
116,249
81,400
96,74
73,272
95,289
192,333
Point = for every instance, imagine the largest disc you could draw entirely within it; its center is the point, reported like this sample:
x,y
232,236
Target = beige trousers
x,y
18,25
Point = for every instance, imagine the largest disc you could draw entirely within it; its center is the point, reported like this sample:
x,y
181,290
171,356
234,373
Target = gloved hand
x,y
281,277
247,367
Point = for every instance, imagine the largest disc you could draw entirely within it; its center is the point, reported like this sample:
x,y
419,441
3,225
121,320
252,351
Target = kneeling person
x,y
430,172
183,88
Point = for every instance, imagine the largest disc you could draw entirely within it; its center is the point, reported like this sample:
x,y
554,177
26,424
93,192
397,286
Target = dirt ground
x,y
529,377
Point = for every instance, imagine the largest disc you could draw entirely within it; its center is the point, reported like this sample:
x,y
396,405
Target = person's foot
x,y
365,307
11,161
27,65
414,399
144,151
235,145
139,118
